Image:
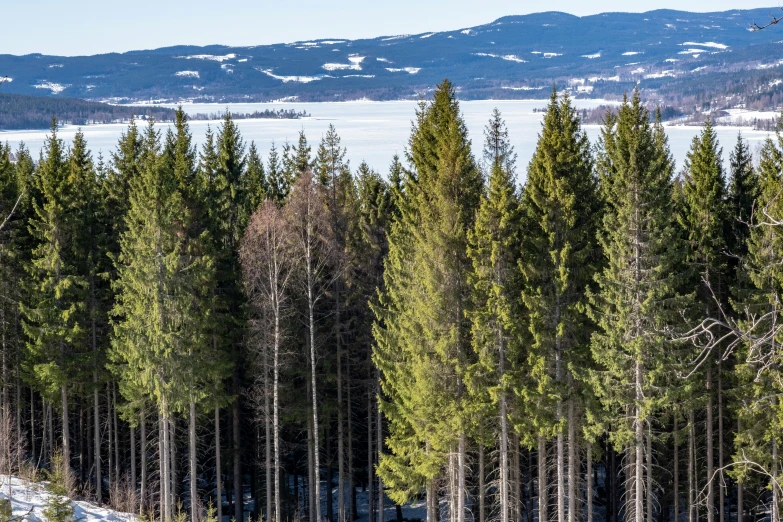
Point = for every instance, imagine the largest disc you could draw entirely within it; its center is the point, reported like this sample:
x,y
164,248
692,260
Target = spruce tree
x,y
560,209
430,313
157,321
494,249
637,296
704,221
53,314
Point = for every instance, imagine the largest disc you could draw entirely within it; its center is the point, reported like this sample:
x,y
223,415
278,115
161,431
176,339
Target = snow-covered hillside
x,y
26,496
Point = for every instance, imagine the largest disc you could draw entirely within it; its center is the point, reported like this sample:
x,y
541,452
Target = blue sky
x,y
77,27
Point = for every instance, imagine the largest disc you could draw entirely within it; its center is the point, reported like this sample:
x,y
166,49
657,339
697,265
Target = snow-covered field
x,y
26,496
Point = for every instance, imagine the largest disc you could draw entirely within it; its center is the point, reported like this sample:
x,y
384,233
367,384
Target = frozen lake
x,y
375,131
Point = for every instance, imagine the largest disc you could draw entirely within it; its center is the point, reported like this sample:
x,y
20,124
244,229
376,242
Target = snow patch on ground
x,y
384,60
58,65
468,31
187,74
743,116
507,57
355,65
427,35
594,79
662,74
409,70
26,496
694,52
56,88
523,88
287,79
331,42
592,56
671,60
713,45
211,57
632,53
395,37
552,55
638,70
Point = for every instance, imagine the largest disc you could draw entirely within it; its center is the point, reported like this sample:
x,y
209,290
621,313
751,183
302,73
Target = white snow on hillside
x,y
26,496
56,88
507,57
694,52
355,65
591,56
745,117
211,57
427,35
286,79
662,74
552,55
706,44
409,70
396,37
187,74
632,53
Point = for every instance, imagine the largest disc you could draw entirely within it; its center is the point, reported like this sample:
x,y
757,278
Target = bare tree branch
x,y
775,20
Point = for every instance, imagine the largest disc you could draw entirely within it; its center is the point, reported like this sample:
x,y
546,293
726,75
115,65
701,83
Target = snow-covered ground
x,y
745,117
26,495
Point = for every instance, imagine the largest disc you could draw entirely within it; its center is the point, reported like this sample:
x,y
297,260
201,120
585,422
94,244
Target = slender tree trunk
x,y
173,467
268,442
340,439
349,425
721,475
461,487
218,468
432,502
370,474
116,433
710,452
589,477
310,466
239,500
32,424
515,495
194,500
379,445
66,434
639,442
316,452
573,445
143,447
133,459
504,478
543,516
740,492
691,470
276,414
649,488
481,485
676,439
97,436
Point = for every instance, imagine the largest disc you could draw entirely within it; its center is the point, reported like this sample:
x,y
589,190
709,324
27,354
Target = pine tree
x,y
560,208
637,297
494,249
256,188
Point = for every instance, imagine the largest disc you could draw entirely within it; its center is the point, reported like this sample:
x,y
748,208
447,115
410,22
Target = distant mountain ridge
x,y
513,57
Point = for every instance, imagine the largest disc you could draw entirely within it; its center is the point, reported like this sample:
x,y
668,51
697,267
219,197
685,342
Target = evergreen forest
x,y
205,334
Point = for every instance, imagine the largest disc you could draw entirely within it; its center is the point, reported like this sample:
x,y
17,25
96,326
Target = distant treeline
x,y
280,114
35,112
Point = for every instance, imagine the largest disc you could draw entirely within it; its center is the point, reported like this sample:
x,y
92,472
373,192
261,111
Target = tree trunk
x,y
97,441
310,467
340,440
143,446
676,439
639,461
379,445
66,436
740,492
691,475
218,474
721,476
133,459
542,483
481,486
194,500
649,488
316,452
239,499
573,445
370,449
116,433
461,464
276,416
589,477
710,453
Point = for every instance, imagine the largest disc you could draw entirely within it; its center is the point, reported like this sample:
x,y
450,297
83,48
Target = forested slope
x,y
209,334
